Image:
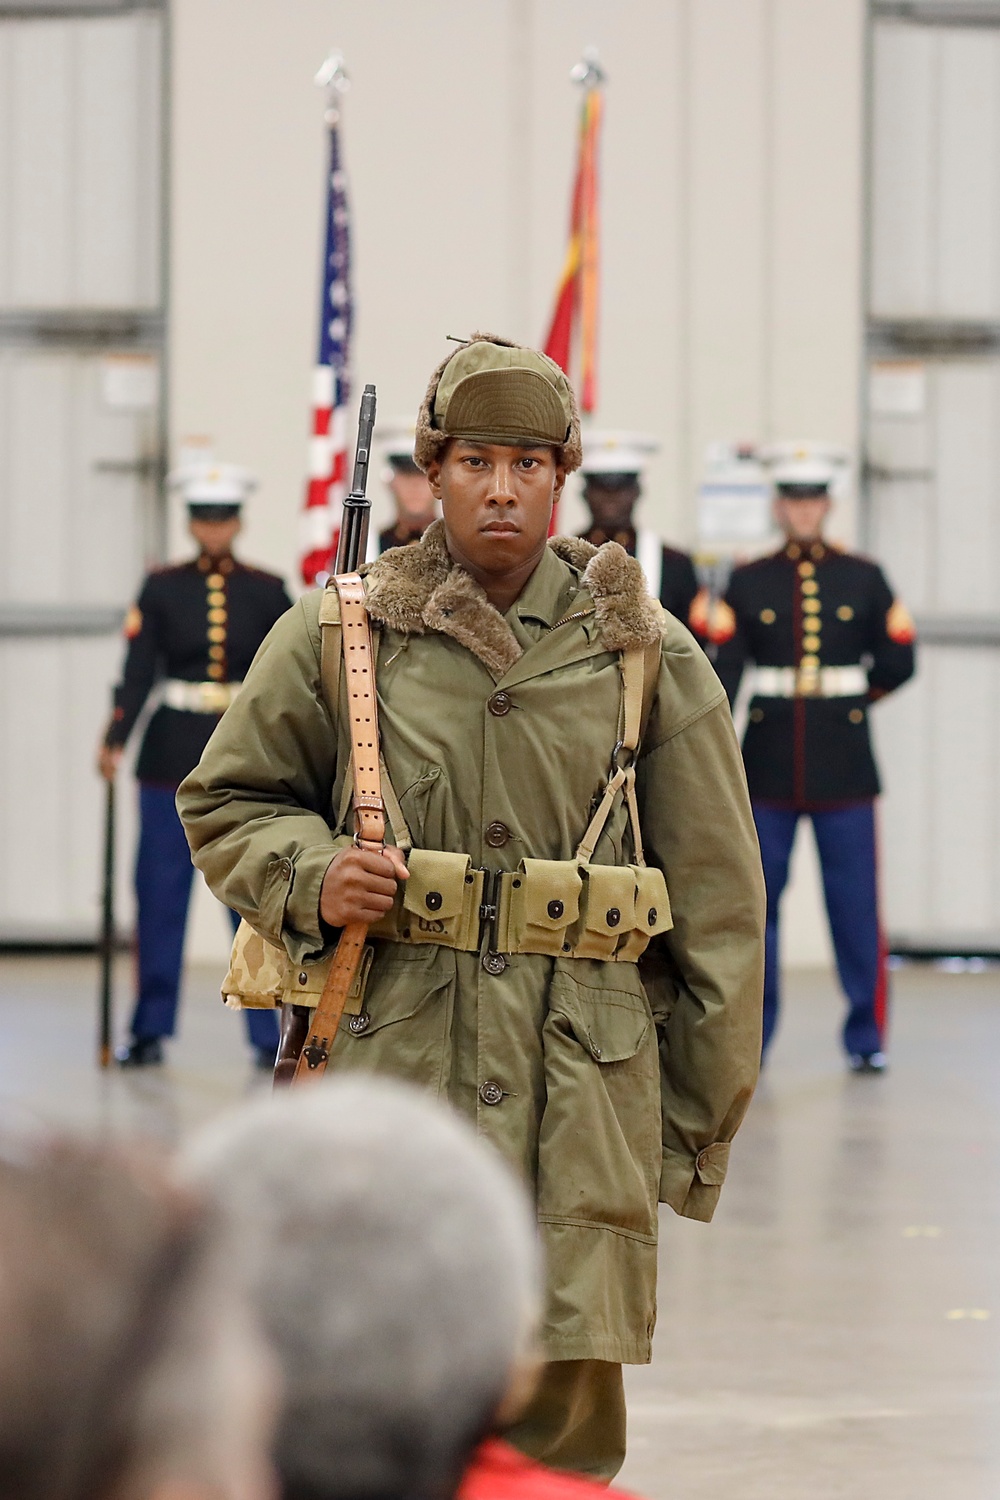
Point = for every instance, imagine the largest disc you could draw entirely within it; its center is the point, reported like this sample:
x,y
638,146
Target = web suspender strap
x,y
369,815
622,778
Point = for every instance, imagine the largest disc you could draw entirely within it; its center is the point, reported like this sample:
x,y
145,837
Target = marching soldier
x,y
542,721
192,634
613,463
411,494
827,638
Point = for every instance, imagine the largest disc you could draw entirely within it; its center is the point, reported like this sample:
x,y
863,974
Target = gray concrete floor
x,y
835,1333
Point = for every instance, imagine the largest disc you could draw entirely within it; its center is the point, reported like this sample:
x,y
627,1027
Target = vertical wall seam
x,y
768,74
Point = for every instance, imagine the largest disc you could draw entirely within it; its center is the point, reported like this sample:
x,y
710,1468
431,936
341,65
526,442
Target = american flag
x,y
331,383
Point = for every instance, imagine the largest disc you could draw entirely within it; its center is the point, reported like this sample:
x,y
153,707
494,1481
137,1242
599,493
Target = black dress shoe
x,y
264,1058
141,1052
868,1062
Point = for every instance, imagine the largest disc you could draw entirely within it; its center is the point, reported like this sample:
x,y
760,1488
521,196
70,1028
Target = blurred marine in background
x,y
407,484
192,635
827,637
612,468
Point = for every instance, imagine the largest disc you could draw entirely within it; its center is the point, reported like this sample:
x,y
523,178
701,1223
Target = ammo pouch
x,y
549,906
572,910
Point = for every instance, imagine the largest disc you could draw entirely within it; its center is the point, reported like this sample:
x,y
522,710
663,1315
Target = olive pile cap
x,y
494,391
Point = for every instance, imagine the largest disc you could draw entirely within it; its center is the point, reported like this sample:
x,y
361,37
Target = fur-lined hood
x,y
420,588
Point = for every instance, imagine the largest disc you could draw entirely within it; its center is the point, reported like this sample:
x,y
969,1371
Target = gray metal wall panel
x,y
903,152
53,704
79,163
72,531
935,185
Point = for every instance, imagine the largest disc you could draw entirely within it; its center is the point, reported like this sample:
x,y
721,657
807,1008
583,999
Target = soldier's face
x,y
412,495
611,505
496,503
802,520
215,538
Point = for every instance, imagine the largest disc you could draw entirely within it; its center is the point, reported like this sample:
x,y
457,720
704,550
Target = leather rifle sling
x,y
369,816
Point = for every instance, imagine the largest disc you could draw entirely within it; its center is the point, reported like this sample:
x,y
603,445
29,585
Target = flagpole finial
x,y
588,72
334,78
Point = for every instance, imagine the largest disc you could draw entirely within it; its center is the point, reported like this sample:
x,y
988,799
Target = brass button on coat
x,y
499,704
497,834
358,1025
494,963
490,1092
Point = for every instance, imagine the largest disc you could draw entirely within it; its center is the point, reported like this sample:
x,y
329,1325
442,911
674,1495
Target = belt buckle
x,y
807,682
214,697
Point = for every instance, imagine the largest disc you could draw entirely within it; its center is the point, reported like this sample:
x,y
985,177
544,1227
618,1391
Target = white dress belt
x,y
809,682
199,697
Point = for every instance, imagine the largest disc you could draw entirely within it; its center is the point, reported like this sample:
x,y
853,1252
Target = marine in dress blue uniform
x,y
613,463
826,637
192,634
407,484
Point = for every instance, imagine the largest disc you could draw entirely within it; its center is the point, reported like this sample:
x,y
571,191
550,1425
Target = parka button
x,y
433,900
497,834
359,1024
490,1092
285,869
494,963
613,917
499,704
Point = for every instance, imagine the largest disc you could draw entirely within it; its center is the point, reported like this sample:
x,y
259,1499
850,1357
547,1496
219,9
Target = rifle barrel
x,y
357,506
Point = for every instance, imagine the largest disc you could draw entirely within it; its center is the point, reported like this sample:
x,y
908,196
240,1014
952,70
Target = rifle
x,y
297,1021
106,947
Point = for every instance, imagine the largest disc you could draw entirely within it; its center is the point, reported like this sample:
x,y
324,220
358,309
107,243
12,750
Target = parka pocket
x,y
402,1025
599,1143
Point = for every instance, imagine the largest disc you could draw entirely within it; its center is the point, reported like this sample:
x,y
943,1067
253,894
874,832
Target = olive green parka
x,y
607,1090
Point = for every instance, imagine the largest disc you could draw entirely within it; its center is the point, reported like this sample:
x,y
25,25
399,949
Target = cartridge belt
x,y
199,697
560,907
809,682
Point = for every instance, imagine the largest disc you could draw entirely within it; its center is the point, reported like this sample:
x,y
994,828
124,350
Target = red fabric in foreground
x,y
500,1472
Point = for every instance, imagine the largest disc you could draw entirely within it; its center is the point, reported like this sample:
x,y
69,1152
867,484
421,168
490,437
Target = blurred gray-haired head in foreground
x,y
130,1367
393,1259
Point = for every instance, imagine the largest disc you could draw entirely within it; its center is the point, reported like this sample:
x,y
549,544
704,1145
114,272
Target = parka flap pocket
x,y
544,902
609,912
609,1032
611,1024
439,899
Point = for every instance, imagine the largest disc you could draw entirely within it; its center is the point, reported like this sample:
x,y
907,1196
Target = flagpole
x,y
575,314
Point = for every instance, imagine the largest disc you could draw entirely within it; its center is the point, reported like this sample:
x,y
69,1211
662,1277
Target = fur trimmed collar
x,y
420,588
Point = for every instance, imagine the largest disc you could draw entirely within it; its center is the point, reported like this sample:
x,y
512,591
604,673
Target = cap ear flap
x,y
428,440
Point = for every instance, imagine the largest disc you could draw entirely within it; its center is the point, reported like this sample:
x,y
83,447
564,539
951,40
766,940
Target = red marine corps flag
x,y
331,377
574,320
